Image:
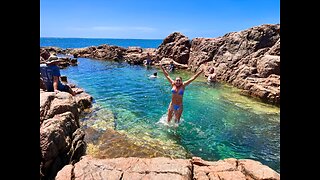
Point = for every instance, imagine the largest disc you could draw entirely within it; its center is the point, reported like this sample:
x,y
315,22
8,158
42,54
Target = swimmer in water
x,y
177,90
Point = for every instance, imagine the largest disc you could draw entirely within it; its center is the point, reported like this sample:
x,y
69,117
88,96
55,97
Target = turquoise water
x,y
86,42
130,111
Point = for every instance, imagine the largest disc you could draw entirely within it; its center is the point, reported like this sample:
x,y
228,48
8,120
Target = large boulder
x,y
61,143
61,137
176,46
239,57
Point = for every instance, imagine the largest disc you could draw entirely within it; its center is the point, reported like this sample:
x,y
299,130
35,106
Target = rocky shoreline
x,y
61,137
249,60
165,168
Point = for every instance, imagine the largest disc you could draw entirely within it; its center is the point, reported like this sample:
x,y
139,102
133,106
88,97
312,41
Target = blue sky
x,y
153,19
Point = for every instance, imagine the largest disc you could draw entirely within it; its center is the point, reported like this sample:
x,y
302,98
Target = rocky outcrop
x,y
61,139
203,51
46,52
107,52
52,50
166,168
61,142
136,55
52,104
249,60
132,55
232,168
176,46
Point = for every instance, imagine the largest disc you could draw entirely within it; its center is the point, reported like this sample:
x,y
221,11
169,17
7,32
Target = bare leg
x,y
177,114
70,90
170,113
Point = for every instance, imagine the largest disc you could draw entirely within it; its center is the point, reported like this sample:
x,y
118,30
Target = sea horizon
x,y
101,38
69,42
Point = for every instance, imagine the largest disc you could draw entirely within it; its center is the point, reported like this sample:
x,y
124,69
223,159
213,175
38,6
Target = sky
x,y
153,19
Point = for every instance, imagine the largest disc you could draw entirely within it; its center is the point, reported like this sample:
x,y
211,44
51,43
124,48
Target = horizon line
x,y
102,38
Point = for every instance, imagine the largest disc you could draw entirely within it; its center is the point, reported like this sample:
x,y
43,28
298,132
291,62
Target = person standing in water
x,y
171,67
148,60
177,90
212,77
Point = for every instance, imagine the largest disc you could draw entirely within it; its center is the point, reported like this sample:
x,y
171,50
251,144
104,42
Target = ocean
x,y
86,42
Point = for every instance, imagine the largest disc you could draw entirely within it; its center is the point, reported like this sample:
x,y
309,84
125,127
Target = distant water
x,y
129,117
86,42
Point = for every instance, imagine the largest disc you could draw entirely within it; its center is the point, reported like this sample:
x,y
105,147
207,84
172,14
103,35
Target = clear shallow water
x,y
130,111
86,42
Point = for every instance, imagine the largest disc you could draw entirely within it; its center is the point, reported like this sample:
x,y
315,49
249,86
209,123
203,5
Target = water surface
x,y
87,42
130,111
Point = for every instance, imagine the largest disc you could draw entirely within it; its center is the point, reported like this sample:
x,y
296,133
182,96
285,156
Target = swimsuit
x,y
174,91
175,106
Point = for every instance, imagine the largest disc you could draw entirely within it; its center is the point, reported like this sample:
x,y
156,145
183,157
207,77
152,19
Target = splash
x,y
163,121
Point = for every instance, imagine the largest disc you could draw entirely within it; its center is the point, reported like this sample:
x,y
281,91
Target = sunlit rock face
x,y
61,138
166,168
249,60
175,46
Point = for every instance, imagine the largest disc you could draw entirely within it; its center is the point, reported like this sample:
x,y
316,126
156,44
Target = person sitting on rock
x,y
50,74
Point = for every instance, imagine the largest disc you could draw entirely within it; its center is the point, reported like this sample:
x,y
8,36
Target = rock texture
x,y
176,46
132,55
61,139
232,168
165,168
46,52
249,60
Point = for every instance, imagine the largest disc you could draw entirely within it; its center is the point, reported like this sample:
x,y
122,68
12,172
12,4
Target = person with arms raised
x,y
178,87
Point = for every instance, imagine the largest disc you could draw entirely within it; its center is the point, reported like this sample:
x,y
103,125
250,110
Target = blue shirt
x,y
47,73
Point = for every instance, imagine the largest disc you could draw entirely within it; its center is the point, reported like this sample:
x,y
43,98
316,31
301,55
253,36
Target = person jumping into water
x,y
177,90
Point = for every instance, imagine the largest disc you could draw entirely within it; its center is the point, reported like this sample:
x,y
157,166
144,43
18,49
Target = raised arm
x,y
166,75
186,83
